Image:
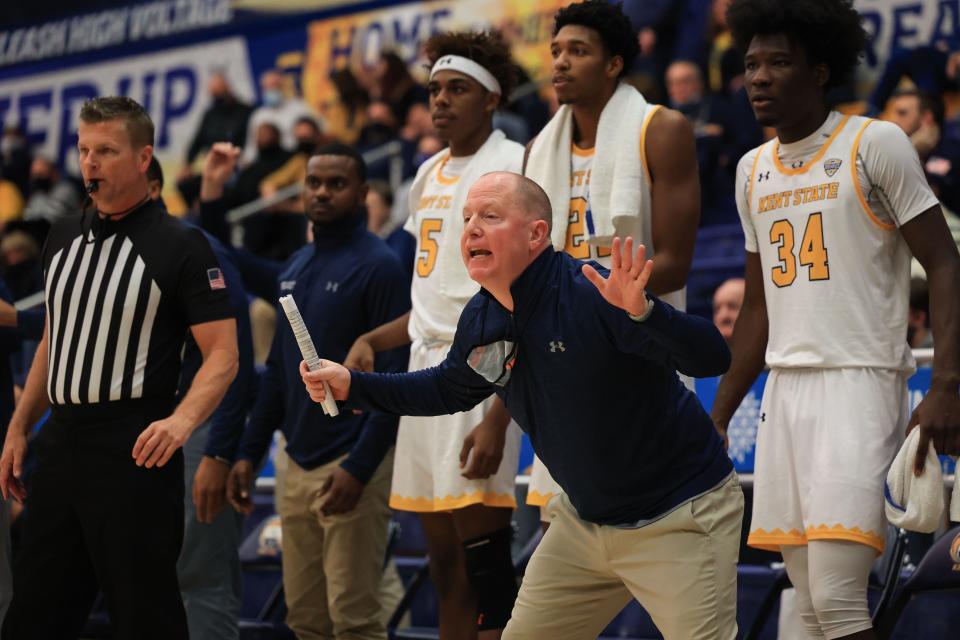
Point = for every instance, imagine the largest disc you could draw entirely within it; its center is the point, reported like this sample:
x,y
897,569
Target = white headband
x,y
467,67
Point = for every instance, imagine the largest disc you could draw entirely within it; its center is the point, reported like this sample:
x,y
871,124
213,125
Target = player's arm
x,y
749,345
672,158
486,441
938,415
387,336
894,170
218,344
31,406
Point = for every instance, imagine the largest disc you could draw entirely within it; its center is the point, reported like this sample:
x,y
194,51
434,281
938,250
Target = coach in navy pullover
x,y
345,283
596,389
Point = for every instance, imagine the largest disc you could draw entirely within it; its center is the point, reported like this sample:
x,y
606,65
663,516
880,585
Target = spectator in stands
x,y
20,254
921,116
399,239
347,116
393,84
333,505
724,62
225,120
16,158
727,300
723,132
919,335
379,202
932,69
270,156
657,24
309,138
280,107
51,195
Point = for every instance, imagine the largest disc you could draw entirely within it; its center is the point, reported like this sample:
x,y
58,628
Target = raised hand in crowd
x,y
218,167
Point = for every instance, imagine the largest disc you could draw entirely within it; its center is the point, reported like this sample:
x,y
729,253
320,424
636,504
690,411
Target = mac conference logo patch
x,y
831,166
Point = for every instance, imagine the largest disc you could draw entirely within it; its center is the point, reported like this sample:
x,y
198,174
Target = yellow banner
x,y
356,40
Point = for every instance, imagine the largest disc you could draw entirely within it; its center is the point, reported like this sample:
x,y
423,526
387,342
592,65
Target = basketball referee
x,y
123,287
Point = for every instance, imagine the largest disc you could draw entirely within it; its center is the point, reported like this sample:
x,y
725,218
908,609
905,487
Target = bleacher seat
x,y
262,607
937,580
718,255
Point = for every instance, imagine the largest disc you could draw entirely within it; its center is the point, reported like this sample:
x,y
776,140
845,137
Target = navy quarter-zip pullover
x,y
345,283
597,393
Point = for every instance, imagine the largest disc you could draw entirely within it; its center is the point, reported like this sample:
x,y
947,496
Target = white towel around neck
x,y
616,171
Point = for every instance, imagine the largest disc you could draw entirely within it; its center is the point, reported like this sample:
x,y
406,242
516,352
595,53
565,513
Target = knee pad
x,y
491,574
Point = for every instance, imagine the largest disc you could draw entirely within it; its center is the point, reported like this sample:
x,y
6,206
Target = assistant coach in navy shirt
x,y
587,364
333,505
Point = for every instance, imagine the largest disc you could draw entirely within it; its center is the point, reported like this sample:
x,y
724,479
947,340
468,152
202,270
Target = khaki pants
x,y
682,569
332,566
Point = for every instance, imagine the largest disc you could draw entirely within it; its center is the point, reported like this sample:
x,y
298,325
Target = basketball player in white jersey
x,y
593,45
456,471
831,209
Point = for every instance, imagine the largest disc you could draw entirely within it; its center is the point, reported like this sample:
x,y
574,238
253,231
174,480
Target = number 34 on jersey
x,y
810,253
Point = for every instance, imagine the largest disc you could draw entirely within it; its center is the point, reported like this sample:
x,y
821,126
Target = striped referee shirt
x,y
121,296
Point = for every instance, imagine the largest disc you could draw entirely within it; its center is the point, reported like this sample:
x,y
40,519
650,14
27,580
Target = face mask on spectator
x,y
9,144
272,98
41,184
306,147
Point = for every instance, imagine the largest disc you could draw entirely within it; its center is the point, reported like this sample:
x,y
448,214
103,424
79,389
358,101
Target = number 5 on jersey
x,y
812,254
427,260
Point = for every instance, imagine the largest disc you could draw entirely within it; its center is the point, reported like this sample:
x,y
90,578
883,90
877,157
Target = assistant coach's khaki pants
x,y
682,569
332,565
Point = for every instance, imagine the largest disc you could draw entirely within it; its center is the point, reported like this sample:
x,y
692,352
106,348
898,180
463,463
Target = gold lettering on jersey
x,y
435,202
580,178
797,197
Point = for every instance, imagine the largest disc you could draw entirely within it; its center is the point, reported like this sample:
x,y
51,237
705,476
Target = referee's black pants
x,y
94,519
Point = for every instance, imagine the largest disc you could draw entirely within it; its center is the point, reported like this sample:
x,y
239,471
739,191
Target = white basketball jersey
x,y
580,224
438,292
836,270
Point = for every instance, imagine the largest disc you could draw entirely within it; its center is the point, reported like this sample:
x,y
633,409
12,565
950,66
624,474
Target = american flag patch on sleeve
x,y
215,277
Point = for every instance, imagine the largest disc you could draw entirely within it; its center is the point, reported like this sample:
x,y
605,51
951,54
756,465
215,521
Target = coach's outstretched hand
x,y
626,285
335,375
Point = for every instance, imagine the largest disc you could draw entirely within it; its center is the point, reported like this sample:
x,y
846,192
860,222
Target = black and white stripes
x,y
101,311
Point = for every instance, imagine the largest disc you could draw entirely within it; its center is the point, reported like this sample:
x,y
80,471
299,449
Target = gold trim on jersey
x,y
773,540
807,165
583,153
753,173
425,504
886,226
643,140
443,179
